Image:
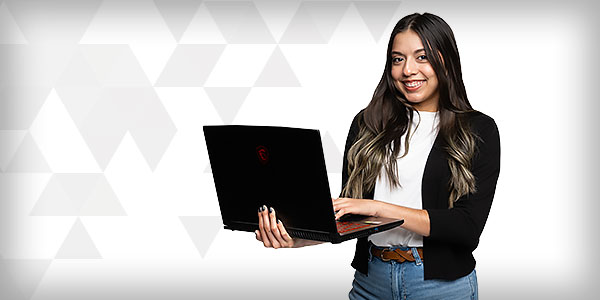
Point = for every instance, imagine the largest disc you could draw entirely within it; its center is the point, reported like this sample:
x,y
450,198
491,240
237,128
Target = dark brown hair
x,y
388,116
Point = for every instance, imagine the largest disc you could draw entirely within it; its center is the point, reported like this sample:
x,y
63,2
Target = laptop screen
x,y
276,166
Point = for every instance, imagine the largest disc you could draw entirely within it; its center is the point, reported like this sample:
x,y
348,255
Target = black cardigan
x,y
454,233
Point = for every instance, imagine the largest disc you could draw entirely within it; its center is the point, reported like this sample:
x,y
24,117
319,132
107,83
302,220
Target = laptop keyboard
x,y
346,226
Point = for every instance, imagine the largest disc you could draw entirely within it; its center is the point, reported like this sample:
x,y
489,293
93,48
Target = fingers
x,y
261,227
338,203
275,228
339,214
269,230
341,207
286,237
269,227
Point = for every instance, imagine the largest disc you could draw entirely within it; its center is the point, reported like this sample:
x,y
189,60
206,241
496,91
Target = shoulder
x,y
481,124
479,120
354,127
357,117
487,134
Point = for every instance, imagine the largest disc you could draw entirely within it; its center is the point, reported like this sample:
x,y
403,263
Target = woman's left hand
x,y
364,207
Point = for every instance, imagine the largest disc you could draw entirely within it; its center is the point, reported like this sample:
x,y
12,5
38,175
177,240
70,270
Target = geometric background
x,y
105,186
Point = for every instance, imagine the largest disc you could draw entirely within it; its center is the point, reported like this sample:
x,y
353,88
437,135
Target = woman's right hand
x,y
271,231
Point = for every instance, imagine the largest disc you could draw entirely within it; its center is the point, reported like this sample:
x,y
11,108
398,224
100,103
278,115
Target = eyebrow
x,y
400,53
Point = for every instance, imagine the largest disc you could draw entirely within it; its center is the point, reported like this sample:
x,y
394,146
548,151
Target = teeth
x,y
413,83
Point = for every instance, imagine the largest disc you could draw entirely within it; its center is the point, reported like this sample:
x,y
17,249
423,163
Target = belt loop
x,y
415,254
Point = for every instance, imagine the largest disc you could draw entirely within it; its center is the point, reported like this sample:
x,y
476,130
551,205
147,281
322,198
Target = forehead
x,y
407,42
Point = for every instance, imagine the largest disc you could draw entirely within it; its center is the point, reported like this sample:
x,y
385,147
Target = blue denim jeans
x,y
393,280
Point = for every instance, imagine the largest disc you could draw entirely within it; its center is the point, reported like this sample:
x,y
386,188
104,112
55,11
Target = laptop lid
x,y
279,167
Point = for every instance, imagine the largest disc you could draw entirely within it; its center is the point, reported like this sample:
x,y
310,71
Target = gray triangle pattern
x,y
104,129
113,65
333,156
55,201
203,29
78,71
56,21
10,141
78,244
28,158
22,103
102,201
277,14
227,100
377,15
302,30
10,33
240,22
8,284
78,194
126,71
152,127
137,110
277,72
315,22
26,275
79,101
202,230
190,65
78,87
100,58
177,14
33,65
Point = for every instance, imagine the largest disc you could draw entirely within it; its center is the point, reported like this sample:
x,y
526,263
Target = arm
x,y
462,224
415,220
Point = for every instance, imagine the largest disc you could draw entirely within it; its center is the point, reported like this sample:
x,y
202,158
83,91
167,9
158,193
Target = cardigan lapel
x,y
435,176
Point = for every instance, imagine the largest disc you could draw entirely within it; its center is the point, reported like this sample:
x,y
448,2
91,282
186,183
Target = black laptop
x,y
283,168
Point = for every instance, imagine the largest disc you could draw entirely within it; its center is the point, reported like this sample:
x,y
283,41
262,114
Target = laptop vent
x,y
309,235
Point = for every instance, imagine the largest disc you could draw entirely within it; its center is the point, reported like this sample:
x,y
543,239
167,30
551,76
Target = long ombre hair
x,y
388,116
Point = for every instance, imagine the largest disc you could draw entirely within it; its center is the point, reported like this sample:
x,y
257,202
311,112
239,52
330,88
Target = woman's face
x,y
412,73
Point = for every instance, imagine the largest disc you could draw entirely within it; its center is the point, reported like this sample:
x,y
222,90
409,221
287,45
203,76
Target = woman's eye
x,y
422,57
397,60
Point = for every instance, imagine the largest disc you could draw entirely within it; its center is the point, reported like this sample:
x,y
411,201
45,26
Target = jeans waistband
x,y
398,254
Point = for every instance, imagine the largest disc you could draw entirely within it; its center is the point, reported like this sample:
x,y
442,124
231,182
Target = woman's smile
x,y
413,85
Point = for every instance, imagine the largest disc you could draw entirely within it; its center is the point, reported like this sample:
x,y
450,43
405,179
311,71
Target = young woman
x,y
427,157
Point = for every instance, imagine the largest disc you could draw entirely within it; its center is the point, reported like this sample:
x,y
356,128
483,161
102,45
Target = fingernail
x,y
264,207
270,210
279,221
260,209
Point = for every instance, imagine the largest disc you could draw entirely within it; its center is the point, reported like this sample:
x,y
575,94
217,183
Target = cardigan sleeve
x,y
352,134
462,225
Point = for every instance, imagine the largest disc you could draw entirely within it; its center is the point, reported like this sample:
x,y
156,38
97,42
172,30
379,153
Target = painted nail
x,y
270,210
279,221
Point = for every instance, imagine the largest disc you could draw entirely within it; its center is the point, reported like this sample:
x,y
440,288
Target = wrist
x,y
377,208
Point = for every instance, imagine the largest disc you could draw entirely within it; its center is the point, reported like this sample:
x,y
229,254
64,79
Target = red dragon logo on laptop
x,y
263,155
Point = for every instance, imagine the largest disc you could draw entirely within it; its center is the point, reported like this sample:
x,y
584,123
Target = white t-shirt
x,y
410,176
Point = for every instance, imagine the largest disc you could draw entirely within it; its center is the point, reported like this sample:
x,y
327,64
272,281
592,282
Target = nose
x,y
410,67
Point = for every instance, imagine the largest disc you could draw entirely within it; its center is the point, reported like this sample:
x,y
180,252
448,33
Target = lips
x,y
413,85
